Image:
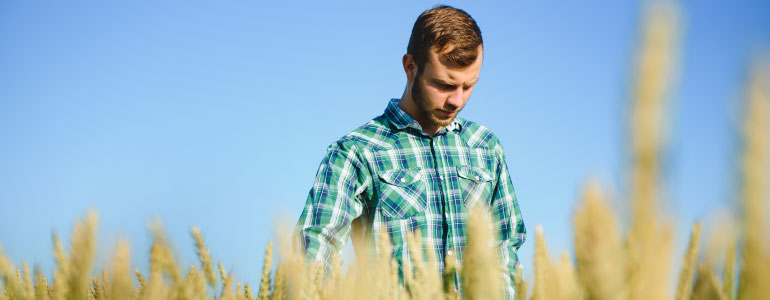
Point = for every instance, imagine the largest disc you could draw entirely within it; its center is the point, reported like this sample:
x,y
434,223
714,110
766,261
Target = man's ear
x,y
410,67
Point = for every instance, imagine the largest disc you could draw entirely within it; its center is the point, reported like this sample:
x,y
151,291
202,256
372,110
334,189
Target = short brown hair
x,y
441,28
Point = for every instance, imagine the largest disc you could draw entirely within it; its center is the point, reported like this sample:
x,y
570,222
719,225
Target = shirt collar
x,y
400,119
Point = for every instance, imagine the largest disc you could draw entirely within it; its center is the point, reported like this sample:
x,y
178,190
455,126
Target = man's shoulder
x,y
476,135
373,135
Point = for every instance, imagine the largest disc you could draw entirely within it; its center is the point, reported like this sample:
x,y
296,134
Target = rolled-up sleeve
x,y
332,204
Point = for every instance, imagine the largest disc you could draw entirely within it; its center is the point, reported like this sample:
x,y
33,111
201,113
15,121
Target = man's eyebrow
x,y
441,82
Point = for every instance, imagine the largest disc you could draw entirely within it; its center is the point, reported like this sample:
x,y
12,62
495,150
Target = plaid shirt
x,y
389,173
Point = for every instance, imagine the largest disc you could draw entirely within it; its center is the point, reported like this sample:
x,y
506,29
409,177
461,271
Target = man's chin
x,y
442,121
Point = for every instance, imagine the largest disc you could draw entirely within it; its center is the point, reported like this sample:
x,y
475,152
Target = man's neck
x,y
410,108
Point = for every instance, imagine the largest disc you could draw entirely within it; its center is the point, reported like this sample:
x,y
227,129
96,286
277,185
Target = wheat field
x,y
609,261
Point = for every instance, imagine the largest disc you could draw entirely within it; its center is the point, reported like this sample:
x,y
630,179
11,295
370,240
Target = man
x,y
418,165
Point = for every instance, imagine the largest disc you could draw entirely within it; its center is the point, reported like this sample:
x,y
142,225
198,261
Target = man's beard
x,y
424,107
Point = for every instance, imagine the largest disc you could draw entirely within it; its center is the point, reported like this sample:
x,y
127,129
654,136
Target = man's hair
x,y
450,31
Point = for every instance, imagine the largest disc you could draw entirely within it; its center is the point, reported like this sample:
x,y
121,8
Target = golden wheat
x,y
755,271
598,247
482,276
688,265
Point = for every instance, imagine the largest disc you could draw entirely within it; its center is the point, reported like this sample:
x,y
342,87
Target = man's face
x,y
440,90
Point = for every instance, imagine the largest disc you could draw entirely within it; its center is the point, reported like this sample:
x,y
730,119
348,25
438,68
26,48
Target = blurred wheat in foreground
x,y
609,262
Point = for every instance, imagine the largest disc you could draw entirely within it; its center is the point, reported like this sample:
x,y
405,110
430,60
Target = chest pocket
x,y
402,193
475,185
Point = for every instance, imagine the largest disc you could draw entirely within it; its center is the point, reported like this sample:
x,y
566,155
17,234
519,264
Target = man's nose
x,y
456,98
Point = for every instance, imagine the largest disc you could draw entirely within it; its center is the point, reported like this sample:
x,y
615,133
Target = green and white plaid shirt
x,y
389,173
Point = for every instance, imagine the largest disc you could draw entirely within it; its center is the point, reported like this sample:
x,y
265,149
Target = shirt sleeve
x,y
332,204
507,217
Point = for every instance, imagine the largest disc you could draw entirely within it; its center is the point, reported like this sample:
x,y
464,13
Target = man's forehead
x,y
446,72
436,55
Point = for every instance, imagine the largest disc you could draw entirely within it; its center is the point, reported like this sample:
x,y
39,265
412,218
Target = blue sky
x,y
217,114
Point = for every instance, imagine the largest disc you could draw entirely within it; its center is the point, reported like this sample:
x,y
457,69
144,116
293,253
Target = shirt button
x,y
403,180
477,177
449,252
440,177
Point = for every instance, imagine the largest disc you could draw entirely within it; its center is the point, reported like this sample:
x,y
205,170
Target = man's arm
x,y
507,217
332,204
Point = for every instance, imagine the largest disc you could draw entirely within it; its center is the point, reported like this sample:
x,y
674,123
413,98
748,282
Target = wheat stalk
x,y
649,240
598,247
264,285
688,265
755,271
481,272
204,256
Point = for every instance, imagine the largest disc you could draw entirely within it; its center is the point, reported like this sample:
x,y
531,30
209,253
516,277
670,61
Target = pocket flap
x,y
401,177
473,173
